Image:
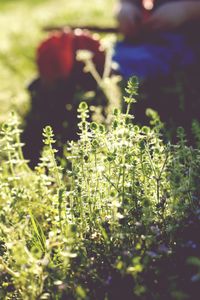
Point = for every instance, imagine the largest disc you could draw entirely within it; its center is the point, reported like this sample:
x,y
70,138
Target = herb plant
x,y
118,219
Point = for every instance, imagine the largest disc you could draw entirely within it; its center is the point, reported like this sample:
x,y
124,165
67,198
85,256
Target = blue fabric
x,y
156,57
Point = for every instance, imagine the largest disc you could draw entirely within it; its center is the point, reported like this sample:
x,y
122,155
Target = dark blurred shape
x,y
176,98
164,55
54,95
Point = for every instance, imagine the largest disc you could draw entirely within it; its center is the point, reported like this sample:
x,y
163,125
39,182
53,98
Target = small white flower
x,y
84,55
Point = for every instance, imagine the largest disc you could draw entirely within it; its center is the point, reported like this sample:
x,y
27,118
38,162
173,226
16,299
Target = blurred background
x,y
22,23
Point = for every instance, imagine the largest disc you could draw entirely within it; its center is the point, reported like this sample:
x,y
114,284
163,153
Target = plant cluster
x,y
118,220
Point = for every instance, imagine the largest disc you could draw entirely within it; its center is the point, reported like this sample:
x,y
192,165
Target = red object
x,y
56,56
85,41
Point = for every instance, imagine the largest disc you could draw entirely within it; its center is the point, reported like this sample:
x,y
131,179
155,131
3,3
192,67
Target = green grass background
x,y
21,23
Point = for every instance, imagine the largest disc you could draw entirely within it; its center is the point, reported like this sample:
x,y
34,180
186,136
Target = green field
x,y
21,23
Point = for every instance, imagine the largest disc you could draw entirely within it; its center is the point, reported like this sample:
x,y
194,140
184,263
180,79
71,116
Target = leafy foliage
x,y
109,224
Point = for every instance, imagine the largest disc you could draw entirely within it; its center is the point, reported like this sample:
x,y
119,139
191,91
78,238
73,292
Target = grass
x,y
21,24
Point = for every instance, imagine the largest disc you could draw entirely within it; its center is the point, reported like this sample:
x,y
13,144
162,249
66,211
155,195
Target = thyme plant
x,y
114,217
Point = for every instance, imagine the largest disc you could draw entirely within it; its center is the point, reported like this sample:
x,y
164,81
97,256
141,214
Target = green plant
x,y
106,220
